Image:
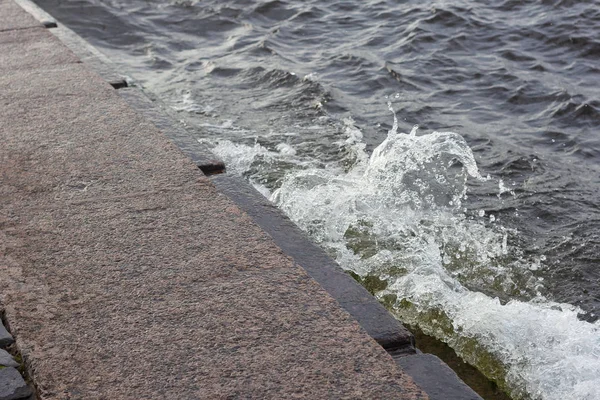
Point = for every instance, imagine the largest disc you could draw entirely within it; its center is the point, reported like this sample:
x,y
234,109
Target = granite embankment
x,y
127,273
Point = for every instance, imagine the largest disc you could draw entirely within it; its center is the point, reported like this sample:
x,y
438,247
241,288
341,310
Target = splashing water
x,y
399,215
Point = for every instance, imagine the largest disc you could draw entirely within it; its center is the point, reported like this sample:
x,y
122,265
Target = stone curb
x,y
90,56
354,298
87,53
436,378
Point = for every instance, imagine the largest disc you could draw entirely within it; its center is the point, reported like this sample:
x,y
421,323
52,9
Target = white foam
x,y
547,351
286,149
239,157
188,104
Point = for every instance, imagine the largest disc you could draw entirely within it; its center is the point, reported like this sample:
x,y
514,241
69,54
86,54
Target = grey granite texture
x,y
30,49
90,56
36,12
12,385
6,338
7,360
153,112
127,275
12,17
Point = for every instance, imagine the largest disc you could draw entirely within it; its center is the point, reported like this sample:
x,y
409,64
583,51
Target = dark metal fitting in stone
x,y
213,167
119,84
12,385
49,24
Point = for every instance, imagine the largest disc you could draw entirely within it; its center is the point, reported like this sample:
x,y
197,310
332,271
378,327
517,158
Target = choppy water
x,y
488,233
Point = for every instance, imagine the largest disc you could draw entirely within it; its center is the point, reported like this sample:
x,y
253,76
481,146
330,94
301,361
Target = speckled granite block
x,y
92,57
31,48
355,299
128,259
197,152
14,17
51,83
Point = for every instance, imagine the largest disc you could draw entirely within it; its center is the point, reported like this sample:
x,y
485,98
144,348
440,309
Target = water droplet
x,y
414,130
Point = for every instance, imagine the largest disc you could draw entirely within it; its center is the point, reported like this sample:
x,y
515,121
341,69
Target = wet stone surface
x,y
6,338
6,360
12,385
435,377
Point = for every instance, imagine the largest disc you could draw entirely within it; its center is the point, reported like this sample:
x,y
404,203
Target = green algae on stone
x,y
437,324
360,240
388,300
370,282
486,388
19,359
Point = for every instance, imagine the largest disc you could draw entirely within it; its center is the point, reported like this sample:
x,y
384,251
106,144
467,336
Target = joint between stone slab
x,y
23,28
202,157
402,351
399,345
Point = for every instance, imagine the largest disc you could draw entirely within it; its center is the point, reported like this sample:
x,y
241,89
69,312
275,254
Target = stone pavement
x,y
124,272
